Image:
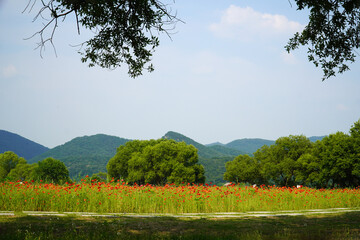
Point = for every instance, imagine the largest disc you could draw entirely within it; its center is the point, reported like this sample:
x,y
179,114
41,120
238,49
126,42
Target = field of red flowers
x,y
119,197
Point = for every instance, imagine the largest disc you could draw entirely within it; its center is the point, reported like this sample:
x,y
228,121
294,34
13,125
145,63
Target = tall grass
x,y
118,197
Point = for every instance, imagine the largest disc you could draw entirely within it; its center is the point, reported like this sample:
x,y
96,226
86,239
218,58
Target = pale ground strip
x,y
186,215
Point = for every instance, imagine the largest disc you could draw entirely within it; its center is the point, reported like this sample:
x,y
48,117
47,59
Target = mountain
x,y
85,155
203,151
215,144
249,145
225,151
23,147
213,158
315,138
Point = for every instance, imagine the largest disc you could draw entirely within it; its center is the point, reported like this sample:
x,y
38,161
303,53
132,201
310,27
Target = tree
x,y
23,172
355,140
8,161
333,33
333,157
52,170
100,177
124,30
309,170
243,169
156,162
279,162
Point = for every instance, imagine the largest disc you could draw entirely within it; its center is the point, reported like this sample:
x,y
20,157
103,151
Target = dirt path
x,y
188,215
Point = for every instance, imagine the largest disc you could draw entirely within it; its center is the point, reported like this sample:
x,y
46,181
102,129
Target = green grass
x,y
121,198
329,227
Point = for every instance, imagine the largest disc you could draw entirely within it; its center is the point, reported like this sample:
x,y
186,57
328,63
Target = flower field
x,y
118,197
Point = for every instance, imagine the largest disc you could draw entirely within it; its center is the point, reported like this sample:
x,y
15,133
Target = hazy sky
x,y
224,75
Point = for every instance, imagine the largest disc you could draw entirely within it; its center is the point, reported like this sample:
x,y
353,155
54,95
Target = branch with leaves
x,y
125,31
333,33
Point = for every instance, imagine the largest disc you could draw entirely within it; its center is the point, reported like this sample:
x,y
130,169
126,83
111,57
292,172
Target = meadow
x,y
119,197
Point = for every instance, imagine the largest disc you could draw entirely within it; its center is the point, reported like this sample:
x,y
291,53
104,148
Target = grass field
x,y
122,198
118,197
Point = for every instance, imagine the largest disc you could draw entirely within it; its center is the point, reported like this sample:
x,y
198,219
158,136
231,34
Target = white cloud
x,y
8,71
247,24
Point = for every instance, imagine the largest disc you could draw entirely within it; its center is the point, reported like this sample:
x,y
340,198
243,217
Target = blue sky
x,y
223,76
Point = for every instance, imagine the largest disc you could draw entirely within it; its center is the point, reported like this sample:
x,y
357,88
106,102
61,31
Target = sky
x,y
223,75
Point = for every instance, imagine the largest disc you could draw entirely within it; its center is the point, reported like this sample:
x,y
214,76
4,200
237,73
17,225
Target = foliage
x,y
124,31
333,33
212,157
99,177
203,151
85,155
249,146
333,161
156,162
279,162
243,169
23,172
215,169
8,161
52,170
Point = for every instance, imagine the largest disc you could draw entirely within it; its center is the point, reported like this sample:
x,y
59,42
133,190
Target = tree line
x,y
13,167
148,161
333,161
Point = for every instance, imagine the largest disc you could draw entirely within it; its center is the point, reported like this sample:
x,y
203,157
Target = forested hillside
x,y
90,154
204,151
21,146
249,145
85,155
213,158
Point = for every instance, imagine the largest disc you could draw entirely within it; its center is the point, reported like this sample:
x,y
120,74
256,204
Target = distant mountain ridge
x,y
90,154
316,138
23,147
213,158
85,155
251,145
203,151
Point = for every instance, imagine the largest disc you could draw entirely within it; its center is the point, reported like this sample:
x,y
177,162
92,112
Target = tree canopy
x,y
332,162
52,170
156,162
125,31
333,33
8,161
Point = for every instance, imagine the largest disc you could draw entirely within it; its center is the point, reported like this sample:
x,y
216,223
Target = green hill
x,y
249,145
85,155
203,151
23,147
90,154
213,158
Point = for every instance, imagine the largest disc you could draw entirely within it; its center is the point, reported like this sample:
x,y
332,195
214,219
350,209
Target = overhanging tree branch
x,y
124,29
333,34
